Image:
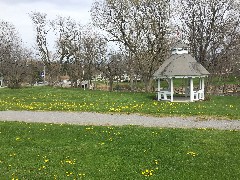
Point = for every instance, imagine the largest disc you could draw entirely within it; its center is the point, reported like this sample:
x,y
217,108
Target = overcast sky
x,y
16,12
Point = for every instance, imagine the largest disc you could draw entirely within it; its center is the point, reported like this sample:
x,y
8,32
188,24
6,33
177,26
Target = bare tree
x,y
94,48
12,56
69,36
212,28
68,44
141,26
34,69
42,28
111,67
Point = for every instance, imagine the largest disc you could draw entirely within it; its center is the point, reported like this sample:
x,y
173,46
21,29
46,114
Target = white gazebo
x,y
181,65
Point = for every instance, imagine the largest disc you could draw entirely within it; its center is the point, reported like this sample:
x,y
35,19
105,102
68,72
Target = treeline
x,y
124,37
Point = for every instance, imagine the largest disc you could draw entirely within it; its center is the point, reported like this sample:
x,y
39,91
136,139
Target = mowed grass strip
x,y
60,151
60,99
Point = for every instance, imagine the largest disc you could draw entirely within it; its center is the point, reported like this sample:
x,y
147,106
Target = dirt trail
x,y
89,118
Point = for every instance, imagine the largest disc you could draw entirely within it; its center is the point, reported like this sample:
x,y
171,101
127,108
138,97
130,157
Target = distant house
x,y
64,79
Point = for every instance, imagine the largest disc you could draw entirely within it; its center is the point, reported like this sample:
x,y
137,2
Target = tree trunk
x,y
131,82
148,84
110,84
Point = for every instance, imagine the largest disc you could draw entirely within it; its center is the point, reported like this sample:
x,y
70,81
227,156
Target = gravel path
x,y
88,118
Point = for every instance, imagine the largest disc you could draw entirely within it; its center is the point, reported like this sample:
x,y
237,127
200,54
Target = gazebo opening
x,y
181,65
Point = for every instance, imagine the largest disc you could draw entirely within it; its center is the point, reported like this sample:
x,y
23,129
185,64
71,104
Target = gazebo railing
x,y
164,94
197,94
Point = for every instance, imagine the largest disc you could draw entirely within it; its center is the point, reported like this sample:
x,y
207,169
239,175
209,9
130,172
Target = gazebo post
x,y
186,86
200,83
202,87
171,87
191,90
159,87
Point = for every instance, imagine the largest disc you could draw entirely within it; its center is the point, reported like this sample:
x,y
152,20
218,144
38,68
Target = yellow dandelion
x,y
147,172
192,153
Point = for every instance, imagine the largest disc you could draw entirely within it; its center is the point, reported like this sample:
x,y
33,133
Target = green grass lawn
x,y
60,99
51,151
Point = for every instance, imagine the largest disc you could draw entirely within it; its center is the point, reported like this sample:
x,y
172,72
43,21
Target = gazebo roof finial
x,y
180,48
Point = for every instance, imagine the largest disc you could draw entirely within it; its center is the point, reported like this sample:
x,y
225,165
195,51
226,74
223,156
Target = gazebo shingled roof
x,y
181,65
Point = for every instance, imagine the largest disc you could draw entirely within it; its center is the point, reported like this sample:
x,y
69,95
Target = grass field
x,y
50,151
59,99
